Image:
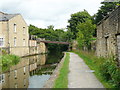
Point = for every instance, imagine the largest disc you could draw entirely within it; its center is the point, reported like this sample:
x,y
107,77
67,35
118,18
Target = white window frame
x,y
2,78
15,74
1,41
15,28
15,39
24,69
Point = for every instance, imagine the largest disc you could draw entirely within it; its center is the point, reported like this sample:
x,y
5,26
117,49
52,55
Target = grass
x,y
95,63
62,80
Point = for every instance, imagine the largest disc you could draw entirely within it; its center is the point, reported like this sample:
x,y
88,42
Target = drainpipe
x,y
8,37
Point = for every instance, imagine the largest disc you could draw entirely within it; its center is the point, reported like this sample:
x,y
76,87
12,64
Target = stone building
x,y
32,45
36,46
41,46
74,45
14,35
108,35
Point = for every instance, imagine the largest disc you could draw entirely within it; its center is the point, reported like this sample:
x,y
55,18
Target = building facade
x,y
32,45
108,35
14,36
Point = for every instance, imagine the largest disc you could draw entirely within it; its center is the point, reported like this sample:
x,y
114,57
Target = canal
x,y
31,72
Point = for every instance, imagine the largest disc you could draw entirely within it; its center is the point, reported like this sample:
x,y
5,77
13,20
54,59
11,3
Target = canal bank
x,y
50,83
78,75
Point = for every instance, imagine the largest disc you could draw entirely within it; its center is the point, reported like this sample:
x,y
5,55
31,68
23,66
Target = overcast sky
x,y
43,13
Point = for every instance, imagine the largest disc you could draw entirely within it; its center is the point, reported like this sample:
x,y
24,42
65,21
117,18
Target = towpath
x,y
80,76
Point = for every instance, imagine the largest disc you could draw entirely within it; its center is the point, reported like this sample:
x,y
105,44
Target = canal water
x,y
31,72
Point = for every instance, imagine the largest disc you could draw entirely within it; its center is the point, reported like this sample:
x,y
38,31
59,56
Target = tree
x,y
76,18
85,33
104,10
50,27
50,34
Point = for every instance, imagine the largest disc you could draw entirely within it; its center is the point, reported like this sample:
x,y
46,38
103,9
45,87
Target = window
x,y
15,74
15,28
23,42
24,82
23,30
24,70
2,78
14,41
16,86
1,42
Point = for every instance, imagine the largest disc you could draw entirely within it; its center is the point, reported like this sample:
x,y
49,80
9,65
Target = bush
x,y
110,71
8,60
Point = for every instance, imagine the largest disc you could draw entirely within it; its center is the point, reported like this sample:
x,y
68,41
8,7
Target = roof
x,y
108,15
6,17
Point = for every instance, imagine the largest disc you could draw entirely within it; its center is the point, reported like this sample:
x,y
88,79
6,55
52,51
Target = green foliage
x,y
104,10
50,33
62,80
76,18
53,35
106,69
3,52
82,28
8,60
85,33
110,71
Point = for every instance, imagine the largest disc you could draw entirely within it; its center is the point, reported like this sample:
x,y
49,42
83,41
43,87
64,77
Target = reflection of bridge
x,y
55,42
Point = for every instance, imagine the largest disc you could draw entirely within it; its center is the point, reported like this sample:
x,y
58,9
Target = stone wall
x,y
74,45
42,47
107,32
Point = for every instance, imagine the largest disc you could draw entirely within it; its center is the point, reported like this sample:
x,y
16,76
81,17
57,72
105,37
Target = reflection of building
x,y
36,61
41,59
18,76
32,63
14,34
108,35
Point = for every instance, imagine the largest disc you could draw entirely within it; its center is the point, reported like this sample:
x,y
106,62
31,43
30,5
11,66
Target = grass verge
x,y
62,80
106,70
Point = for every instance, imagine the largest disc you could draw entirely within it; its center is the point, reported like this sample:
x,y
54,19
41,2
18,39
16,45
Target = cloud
x,y
46,12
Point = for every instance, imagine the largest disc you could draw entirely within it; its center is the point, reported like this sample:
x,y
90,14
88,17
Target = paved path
x,y
80,76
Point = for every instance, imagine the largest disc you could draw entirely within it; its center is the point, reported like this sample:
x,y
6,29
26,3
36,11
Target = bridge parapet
x,y
55,42
40,39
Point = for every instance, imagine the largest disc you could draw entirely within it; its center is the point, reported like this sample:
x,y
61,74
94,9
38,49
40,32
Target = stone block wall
x,y
107,32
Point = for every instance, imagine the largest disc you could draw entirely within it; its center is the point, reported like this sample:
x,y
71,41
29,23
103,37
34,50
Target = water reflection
x,y
17,76
40,81
25,73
